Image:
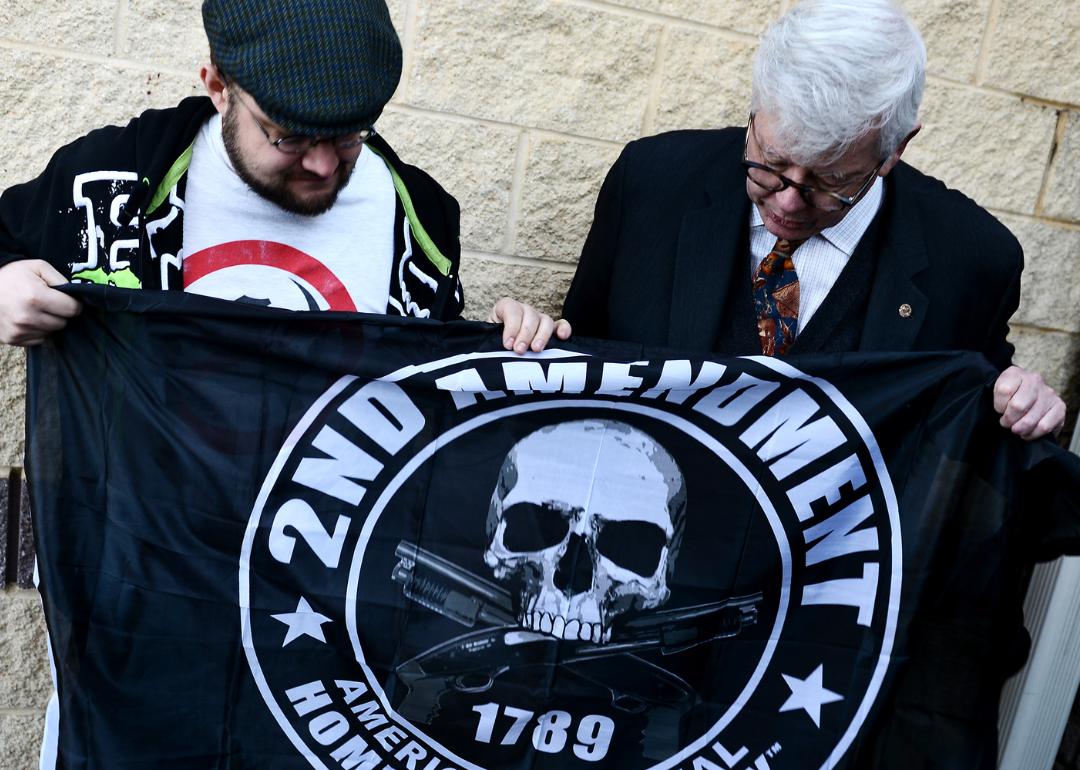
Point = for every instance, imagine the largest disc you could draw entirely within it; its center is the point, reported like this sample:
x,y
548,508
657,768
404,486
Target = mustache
x,y
303,175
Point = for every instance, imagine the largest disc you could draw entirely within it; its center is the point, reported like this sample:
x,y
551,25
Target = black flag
x,y
273,539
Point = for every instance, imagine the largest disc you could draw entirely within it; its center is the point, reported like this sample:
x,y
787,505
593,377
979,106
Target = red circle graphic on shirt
x,y
269,254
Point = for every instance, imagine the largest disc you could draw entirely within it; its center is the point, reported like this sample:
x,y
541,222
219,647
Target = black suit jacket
x,y
670,235
665,264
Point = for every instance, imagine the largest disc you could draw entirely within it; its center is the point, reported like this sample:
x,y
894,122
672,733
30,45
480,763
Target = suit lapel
x,y
897,306
711,241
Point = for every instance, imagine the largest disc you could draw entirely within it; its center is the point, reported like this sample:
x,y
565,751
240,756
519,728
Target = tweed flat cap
x,y
325,67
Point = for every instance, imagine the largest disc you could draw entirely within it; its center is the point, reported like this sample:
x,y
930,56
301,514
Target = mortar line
x,y
22,712
661,18
15,593
510,259
1048,172
517,189
407,48
120,30
1061,224
469,120
1003,92
983,62
1040,102
1037,328
652,100
114,61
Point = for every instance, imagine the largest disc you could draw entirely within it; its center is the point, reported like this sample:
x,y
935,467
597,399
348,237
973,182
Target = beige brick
x,y
398,11
25,681
20,737
1051,280
1063,183
166,33
729,14
561,183
953,31
12,404
531,63
49,102
487,281
1053,355
87,26
398,14
473,163
706,82
993,148
1036,50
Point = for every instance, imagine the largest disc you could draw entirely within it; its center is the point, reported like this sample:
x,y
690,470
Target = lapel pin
x,y
905,310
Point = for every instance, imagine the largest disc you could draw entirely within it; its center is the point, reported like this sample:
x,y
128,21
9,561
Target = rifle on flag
x,y
442,586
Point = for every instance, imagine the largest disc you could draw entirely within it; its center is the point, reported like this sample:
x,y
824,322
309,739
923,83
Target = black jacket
x,y
109,209
666,263
669,245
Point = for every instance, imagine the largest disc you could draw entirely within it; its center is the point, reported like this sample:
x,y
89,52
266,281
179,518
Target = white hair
x,y
830,72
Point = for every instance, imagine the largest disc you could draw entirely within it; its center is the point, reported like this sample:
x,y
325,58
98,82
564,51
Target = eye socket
x,y
633,545
532,527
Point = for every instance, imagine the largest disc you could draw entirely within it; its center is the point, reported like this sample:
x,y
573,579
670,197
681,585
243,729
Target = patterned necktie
x,y
776,298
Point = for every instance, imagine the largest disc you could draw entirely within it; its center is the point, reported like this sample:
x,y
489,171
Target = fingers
x,y
1046,416
47,272
525,328
1051,423
544,329
1005,386
519,321
29,307
1028,406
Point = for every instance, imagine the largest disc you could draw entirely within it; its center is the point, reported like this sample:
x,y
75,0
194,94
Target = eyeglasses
x,y
773,181
298,143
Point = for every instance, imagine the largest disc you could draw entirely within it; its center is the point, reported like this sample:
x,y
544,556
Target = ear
x,y
899,151
215,87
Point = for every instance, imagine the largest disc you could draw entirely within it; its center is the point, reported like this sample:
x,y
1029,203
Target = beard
x,y
275,188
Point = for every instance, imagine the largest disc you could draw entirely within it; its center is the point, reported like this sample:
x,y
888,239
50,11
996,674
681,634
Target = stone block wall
x,y
519,107
24,666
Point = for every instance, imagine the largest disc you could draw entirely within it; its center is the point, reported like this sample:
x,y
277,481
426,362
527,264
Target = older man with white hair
x,y
804,232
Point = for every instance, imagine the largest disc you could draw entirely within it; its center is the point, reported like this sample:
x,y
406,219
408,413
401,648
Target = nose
x,y
322,159
574,574
789,200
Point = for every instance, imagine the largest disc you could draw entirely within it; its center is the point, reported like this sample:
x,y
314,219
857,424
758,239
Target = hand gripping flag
x,y
273,539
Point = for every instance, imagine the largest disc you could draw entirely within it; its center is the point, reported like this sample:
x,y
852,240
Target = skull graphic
x,y
588,516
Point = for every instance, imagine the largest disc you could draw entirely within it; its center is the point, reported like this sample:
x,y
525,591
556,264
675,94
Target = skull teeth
x,y
560,627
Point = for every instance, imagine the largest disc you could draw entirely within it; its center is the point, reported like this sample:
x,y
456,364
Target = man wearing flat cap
x,y
275,190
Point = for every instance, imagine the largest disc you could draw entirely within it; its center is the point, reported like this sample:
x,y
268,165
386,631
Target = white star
x,y
303,621
809,694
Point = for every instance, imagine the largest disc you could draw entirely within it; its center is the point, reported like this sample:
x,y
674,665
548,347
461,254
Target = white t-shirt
x,y
238,245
